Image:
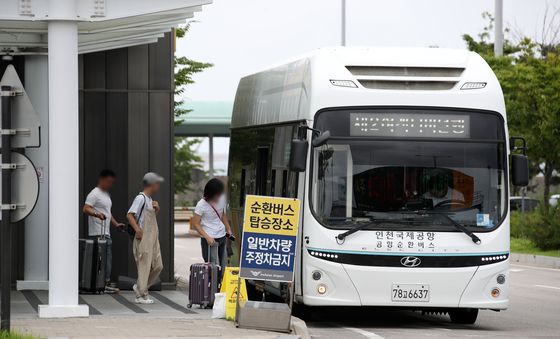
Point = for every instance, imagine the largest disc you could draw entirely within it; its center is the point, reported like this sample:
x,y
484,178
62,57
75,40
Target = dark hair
x,y
213,188
107,173
439,179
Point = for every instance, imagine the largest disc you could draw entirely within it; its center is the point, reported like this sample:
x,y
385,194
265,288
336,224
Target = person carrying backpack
x,y
147,254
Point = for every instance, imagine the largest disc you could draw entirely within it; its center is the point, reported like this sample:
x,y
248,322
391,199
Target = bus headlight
x,y
322,289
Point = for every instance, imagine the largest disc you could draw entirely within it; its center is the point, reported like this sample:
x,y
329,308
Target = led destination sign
x,y
409,125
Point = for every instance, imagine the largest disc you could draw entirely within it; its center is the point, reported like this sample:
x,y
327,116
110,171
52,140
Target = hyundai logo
x,y
410,261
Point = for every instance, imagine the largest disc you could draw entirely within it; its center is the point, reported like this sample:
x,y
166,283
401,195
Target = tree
x,y
185,158
529,73
185,162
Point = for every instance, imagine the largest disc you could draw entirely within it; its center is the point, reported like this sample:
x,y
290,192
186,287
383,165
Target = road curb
x,y
535,260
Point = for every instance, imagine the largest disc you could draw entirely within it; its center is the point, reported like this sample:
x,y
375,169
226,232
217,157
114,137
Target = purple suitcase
x,y
203,284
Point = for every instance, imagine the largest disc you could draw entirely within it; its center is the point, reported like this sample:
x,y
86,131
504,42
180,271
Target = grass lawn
x,y
521,245
15,335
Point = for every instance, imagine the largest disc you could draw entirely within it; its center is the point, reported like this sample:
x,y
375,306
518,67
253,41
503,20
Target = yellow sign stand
x,y
230,288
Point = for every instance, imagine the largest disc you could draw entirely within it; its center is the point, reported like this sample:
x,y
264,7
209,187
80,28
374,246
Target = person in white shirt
x,y
147,253
211,222
440,191
98,209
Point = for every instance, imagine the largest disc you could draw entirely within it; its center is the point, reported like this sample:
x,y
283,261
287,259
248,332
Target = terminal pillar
x,y
63,164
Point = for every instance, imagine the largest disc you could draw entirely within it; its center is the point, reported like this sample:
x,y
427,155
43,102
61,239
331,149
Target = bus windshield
x,y
407,180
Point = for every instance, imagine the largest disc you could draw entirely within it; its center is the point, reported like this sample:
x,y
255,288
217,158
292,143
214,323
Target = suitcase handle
x,y
103,226
217,253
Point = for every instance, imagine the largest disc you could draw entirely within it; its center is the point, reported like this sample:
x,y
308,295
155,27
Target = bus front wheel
x,y
463,315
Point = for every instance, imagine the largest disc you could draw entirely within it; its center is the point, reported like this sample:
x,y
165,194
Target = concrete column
x,y
63,164
36,272
211,155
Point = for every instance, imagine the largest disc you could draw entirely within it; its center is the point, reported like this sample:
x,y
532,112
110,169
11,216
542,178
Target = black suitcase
x,y
93,261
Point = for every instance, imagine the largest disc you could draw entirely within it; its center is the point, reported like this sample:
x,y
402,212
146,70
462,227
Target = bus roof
x,y
366,76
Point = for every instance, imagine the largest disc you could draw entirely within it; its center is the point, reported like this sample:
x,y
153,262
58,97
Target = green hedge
x,y
526,246
542,227
15,335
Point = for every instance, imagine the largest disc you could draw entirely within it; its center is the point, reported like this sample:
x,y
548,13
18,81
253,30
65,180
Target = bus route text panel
x,y
409,125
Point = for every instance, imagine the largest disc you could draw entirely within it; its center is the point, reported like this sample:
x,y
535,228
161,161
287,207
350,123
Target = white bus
x,y
400,159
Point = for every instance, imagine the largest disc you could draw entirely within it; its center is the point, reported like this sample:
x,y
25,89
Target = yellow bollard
x,y
229,287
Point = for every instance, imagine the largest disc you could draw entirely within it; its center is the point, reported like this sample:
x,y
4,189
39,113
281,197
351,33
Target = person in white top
x,y
211,222
147,253
439,190
98,209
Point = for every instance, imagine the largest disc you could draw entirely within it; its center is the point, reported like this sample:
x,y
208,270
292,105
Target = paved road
x,y
187,251
534,312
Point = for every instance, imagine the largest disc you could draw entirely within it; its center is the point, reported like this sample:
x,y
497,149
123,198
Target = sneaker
x,y
144,300
111,290
136,290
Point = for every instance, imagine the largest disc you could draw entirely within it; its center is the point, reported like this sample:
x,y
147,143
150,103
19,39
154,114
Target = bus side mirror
x,y
321,139
519,170
298,155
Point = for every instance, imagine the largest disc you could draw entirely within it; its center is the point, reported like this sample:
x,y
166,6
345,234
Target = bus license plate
x,y
410,292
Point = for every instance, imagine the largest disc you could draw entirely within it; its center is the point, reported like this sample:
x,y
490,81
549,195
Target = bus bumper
x,y
351,285
478,293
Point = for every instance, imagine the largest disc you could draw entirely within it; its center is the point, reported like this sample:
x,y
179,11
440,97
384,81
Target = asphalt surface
x,y
534,312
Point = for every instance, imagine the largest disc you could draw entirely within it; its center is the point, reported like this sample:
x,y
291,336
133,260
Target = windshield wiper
x,y
458,226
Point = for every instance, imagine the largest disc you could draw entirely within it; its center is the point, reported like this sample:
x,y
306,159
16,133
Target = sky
x,y
241,37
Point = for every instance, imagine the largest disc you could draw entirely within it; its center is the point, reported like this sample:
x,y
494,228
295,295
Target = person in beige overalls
x,y
147,254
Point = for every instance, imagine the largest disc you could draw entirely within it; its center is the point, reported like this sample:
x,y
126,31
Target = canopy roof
x,y
102,24
207,118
